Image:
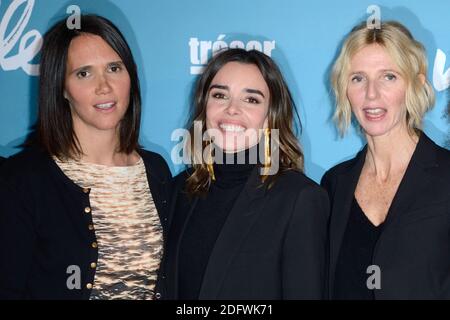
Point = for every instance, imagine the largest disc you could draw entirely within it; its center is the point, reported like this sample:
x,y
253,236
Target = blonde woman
x,y
390,220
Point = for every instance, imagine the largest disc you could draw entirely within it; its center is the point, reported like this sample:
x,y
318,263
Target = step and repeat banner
x,y
173,39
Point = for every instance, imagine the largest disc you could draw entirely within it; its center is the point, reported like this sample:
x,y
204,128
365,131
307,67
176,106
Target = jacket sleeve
x,y
17,238
304,251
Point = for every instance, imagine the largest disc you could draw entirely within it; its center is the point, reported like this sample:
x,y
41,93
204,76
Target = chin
x,y
230,147
376,131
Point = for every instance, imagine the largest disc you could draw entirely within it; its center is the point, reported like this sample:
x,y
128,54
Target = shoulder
x,y
345,167
443,158
442,165
30,162
341,168
155,164
299,197
433,158
179,180
294,183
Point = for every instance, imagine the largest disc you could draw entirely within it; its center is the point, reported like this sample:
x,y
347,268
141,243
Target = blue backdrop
x,y
172,39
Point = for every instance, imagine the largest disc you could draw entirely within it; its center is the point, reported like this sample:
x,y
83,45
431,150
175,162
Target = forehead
x,y
240,74
89,49
373,56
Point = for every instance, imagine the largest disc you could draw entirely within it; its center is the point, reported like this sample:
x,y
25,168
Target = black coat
x,y
44,228
413,251
272,245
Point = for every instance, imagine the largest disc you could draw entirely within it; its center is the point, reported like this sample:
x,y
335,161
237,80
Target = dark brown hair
x,y
280,114
54,124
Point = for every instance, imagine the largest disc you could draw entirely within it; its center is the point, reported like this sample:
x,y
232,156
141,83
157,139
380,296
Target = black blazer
x,y
272,245
413,251
44,227
2,160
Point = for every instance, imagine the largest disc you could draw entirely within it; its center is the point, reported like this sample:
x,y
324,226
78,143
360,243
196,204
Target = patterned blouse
x,y
127,227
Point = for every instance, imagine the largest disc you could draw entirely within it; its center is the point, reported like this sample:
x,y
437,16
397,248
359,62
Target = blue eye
x,y
390,76
357,78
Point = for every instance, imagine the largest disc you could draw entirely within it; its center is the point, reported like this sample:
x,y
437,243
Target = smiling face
x,y
97,85
376,91
237,106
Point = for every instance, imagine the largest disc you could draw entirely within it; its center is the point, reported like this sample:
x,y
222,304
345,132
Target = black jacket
x,y
44,226
272,245
413,251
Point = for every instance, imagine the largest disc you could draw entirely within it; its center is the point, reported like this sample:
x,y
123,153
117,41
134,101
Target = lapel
x,y
156,185
179,235
415,182
342,200
243,215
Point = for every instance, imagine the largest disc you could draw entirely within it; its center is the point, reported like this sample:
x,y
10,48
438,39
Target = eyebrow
x,y
383,70
219,86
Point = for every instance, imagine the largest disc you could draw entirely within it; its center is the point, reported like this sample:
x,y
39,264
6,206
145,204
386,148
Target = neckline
x,y
235,168
102,166
363,215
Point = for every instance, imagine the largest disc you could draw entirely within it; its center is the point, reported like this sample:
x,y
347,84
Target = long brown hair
x,y
280,116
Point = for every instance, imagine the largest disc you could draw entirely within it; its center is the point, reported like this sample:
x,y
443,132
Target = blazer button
x,y
86,190
164,202
93,265
89,286
87,210
91,227
94,245
158,295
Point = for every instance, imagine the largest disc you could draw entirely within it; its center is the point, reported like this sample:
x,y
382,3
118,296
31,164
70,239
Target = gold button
x,y
93,265
87,210
91,227
94,244
89,286
85,190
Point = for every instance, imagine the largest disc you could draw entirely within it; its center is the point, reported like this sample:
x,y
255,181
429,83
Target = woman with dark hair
x,y
390,226
84,209
244,226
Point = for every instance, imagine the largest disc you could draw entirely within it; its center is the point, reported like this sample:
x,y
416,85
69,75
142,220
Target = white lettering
x,y
25,53
201,51
73,21
441,79
373,21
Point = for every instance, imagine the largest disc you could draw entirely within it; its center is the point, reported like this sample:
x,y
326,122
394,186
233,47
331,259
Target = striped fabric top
x,y
127,227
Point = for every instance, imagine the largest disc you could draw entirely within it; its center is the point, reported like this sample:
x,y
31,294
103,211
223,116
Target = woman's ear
x,y
422,78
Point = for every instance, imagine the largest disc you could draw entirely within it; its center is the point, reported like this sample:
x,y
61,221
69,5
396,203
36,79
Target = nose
x,y
233,107
371,90
103,86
